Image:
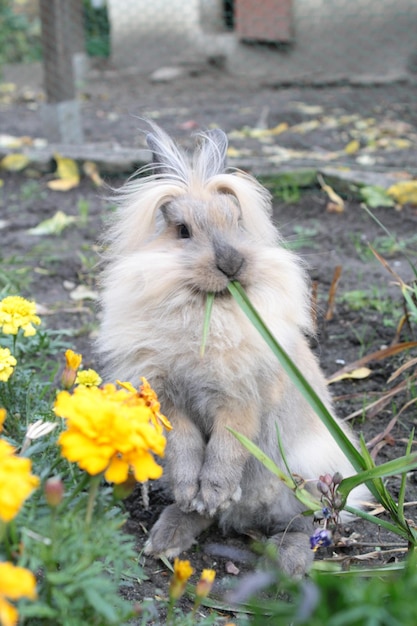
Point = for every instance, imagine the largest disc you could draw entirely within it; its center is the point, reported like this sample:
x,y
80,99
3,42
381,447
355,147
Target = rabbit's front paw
x,y
215,496
174,532
185,492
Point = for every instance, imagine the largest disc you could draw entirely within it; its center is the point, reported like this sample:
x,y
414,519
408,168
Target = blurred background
x,y
62,62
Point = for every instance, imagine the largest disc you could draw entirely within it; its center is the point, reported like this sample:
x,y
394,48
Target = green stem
x,y
94,485
170,612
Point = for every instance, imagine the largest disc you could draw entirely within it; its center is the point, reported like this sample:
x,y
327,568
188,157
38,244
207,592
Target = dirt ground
x,y
60,271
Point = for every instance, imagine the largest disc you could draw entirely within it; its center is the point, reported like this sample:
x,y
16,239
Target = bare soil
x,y
51,269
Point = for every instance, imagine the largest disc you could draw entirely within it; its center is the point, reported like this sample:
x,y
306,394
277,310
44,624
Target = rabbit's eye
x,y
183,232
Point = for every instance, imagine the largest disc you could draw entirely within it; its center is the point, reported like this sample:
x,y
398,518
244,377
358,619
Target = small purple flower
x,y
320,538
326,512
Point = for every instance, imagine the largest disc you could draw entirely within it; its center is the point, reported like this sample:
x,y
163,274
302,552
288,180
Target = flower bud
x,y
337,478
72,364
326,479
182,572
205,583
54,491
322,487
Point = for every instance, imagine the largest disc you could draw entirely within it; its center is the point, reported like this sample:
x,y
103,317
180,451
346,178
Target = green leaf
x,y
54,225
394,528
300,493
207,317
375,196
397,466
401,495
99,604
296,376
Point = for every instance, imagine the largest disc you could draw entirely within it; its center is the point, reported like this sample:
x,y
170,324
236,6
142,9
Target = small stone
x,y
231,568
166,74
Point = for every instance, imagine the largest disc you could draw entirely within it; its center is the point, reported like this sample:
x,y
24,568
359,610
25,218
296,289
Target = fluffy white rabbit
x,y
181,232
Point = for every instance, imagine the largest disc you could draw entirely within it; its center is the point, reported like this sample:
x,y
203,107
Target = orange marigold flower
x,y
72,364
150,399
182,572
110,431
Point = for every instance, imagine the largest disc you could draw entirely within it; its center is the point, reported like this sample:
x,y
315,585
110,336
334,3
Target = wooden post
x,y
62,38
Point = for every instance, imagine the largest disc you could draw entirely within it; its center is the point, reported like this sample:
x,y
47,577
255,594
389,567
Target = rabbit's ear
x,y
214,150
166,157
155,147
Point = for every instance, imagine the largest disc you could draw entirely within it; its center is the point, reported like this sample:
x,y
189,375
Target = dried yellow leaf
x,y
352,147
280,128
335,200
54,225
361,372
14,162
91,169
404,192
233,152
66,168
305,127
63,184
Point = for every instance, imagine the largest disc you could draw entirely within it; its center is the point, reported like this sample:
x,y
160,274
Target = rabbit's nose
x,y
228,259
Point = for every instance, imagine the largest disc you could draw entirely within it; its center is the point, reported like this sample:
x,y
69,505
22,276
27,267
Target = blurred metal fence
x,y
55,46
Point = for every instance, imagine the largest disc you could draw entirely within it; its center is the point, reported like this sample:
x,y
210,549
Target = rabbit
x,y
183,230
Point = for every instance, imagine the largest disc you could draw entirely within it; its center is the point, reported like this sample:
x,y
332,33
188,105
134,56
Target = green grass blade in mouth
x,y
207,318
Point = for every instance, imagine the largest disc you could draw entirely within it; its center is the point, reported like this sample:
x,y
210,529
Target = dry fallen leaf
x,y
361,372
63,184
334,207
14,162
233,152
352,147
54,225
90,168
404,192
305,127
67,172
336,204
82,292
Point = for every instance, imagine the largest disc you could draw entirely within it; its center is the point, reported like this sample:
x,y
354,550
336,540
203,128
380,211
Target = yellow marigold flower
x,y
73,360
205,583
150,399
72,363
17,312
15,582
7,363
88,378
16,481
109,430
182,572
3,414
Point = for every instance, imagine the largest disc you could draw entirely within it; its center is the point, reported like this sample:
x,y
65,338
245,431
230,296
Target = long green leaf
x,y
397,466
394,528
401,495
207,317
304,496
296,376
385,498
